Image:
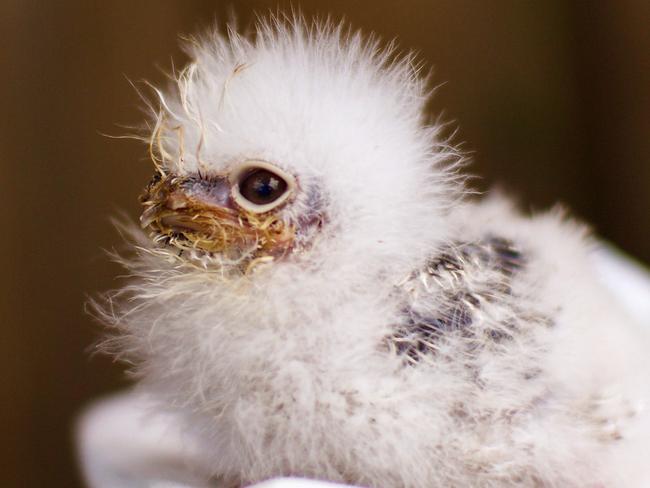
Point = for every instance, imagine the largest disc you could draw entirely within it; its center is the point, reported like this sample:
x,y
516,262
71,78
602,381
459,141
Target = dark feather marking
x,y
451,272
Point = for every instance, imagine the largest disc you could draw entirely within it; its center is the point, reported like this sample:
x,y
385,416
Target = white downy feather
x,y
289,369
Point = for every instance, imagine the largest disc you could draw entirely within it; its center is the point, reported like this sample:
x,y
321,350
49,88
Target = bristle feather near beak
x,y
178,215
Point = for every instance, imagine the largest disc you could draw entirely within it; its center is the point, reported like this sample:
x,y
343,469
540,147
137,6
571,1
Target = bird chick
x,y
317,297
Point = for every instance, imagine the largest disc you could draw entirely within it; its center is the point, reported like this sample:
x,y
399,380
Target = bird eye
x,y
260,187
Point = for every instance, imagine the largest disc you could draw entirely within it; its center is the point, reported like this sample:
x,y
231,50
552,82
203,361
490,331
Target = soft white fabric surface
x,y
121,445
627,280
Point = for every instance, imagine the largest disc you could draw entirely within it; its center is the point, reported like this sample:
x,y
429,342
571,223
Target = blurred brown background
x,y
552,97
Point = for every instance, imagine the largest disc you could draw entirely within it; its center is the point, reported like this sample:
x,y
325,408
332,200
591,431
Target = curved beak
x,y
198,213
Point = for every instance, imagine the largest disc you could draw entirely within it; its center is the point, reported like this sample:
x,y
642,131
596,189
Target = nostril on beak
x,y
175,199
210,192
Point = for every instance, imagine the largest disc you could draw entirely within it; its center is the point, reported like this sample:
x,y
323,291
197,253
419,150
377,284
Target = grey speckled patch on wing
x,y
463,280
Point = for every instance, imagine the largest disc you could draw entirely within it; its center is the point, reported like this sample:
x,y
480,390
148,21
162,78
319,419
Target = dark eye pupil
x,y
262,187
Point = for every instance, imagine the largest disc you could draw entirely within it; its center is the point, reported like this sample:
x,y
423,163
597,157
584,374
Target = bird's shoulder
x,y
464,294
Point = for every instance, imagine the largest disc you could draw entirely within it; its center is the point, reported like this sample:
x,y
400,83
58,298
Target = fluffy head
x,y
339,115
